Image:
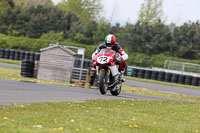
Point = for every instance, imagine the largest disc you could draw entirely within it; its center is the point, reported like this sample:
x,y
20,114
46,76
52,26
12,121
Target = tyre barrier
x,y
195,81
135,72
27,68
7,54
37,56
141,73
2,53
27,56
161,76
188,80
19,55
12,54
147,74
22,54
168,77
174,78
181,79
154,75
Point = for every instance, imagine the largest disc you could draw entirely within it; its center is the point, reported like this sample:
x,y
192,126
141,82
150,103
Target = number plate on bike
x,y
102,59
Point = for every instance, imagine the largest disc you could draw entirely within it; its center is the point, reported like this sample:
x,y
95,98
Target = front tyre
x,y
103,86
115,92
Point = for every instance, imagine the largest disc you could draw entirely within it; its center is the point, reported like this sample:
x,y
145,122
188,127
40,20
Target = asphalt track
x,y
20,92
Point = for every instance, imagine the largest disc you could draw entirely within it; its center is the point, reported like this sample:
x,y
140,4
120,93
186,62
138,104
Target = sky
x,y
175,11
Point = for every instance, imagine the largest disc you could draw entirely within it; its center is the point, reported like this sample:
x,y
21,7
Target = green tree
x,y
87,10
35,3
151,11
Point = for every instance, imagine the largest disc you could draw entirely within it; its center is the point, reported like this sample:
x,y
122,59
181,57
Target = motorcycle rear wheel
x,y
103,86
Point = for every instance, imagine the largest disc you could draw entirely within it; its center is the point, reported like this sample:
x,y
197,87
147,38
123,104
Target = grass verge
x,y
164,83
14,74
148,92
101,116
10,61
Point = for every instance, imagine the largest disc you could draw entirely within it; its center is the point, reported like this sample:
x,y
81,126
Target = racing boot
x,y
122,76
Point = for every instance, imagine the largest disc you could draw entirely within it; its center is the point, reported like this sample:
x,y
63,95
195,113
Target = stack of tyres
x,y
181,79
17,53
12,54
7,54
135,72
37,56
32,56
147,74
174,78
2,53
154,75
195,81
22,54
199,81
141,73
161,76
168,77
27,68
188,80
27,55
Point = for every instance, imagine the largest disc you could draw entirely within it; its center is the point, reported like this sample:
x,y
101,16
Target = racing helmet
x,y
110,40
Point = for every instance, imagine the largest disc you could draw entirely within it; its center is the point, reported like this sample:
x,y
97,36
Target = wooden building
x,y
56,63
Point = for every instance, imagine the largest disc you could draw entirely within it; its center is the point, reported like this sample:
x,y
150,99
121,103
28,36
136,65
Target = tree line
x,y
78,21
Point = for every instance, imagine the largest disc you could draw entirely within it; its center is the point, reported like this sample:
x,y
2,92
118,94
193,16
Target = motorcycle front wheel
x,y
115,92
103,86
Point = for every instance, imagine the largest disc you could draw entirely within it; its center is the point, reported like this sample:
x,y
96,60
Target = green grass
x,y
101,116
10,61
148,92
164,83
14,74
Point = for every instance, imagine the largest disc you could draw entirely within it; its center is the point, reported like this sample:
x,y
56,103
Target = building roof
x,y
55,46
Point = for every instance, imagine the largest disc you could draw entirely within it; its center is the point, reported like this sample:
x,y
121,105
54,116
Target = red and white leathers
x,y
116,47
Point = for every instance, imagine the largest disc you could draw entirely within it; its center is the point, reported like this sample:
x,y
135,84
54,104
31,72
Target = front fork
x,y
107,74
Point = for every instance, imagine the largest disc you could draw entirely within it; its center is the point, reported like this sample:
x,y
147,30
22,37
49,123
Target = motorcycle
x,y
107,67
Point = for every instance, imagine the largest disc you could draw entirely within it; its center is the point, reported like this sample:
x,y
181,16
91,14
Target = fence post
x,y
87,84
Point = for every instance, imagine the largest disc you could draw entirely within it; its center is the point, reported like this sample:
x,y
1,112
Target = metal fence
x,y
182,66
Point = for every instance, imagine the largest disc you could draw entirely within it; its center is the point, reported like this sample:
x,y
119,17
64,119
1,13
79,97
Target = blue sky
x,y
176,11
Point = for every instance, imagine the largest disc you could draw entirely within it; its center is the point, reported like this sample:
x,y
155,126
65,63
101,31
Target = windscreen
x,y
107,51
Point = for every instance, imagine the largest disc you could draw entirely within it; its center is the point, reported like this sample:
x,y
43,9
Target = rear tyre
x,y
103,86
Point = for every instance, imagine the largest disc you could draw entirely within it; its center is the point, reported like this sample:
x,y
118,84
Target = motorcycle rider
x,y
110,42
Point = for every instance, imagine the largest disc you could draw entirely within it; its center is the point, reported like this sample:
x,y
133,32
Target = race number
x,y
102,59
